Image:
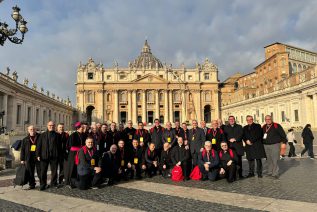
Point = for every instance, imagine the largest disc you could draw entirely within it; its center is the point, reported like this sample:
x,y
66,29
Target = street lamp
x,y
20,25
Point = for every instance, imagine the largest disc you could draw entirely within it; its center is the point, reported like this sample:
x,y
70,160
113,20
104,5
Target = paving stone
x,y
7,206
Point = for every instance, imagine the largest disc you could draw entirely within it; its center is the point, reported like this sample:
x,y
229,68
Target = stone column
x,y
115,117
170,106
184,102
166,105
129,105
100,97
157,104
198,108
314,125
134,107
215,97
5,109
144,111
105,116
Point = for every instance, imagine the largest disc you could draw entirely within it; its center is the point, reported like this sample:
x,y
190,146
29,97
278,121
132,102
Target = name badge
x,y
130,137
105,145
97,146
169,139
136,160
265,136
213,141
92,162
33,148
193,138
122,162
141,139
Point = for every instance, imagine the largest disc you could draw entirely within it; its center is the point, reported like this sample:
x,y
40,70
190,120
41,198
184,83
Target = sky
x,y
230,33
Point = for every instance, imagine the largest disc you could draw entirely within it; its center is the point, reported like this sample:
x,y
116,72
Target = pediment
x,y
150,78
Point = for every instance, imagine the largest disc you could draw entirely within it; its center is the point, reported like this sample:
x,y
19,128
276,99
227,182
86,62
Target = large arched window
x,y
108,97
294,68
150,96
299,68
161,97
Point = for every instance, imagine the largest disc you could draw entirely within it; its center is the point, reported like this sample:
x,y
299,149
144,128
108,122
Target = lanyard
x,y
90,154
214,132
33,141
267,129
141,133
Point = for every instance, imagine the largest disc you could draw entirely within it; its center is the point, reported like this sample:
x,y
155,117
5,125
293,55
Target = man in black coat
x,y
179,132
204,127
181,157
28,156
215,135
137,160
142,136
208,162
63,156
233,134
110,161
151,160
124,160
252,136
169,135
166,163
186,133
48,153
196,140
228,162
129,131
157,136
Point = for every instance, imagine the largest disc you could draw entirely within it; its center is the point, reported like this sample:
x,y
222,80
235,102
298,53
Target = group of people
x,y
102,154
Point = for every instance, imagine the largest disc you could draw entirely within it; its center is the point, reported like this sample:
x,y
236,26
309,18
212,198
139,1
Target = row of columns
x,y
133,109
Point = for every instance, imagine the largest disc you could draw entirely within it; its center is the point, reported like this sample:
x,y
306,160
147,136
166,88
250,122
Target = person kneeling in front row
x,y
89,171
228,162
208,162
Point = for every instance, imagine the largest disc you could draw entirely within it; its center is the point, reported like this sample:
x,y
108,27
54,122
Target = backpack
x,y
22,176
177,174
196,174
230,152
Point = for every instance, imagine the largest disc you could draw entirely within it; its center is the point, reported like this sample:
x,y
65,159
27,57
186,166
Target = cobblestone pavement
x,y
148,201
7,206
297,182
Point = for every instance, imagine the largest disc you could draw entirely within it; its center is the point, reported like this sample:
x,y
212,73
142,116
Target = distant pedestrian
x,y
308,138
291,142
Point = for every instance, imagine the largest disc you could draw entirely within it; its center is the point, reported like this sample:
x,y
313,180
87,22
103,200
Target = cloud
x,y
231,33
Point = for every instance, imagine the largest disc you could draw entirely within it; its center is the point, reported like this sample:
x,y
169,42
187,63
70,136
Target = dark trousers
x,y
61,170
167,171
30,166
239,165
309,148
44,167
291,150
137,170
151,169
259,166
230,173
210,175
195,159
86,181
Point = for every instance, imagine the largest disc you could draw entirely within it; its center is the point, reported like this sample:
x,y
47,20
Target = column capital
x,y
100,91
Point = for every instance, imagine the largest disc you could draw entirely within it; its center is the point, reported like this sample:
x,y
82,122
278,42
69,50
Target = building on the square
x,y
147,89
21,106
284,85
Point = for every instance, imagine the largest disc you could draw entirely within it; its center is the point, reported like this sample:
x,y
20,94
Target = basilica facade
x,y
147,89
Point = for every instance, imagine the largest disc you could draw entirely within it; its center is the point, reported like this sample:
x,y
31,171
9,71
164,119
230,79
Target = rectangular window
x,y
296,115
37,115
241,119
108,77
29,115
283,116
90,76
190,77
138,76
206,75
161,76
272,116
49,115
18,114
44,117
262,117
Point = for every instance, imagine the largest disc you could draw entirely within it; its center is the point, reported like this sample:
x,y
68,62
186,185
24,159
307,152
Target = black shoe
x,y
31,187
42,187
241,177
260,176
250,175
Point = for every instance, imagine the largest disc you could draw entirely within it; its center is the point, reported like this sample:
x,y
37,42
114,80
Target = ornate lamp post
x,y
9,34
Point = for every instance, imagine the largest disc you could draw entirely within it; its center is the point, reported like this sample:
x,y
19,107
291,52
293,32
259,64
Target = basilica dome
x,y
146,60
